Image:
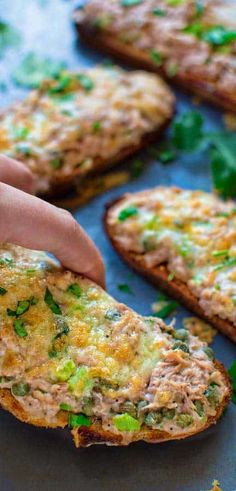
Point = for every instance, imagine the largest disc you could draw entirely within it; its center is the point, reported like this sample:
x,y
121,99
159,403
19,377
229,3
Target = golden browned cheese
x,y
71,354
83,123
191,233
191,41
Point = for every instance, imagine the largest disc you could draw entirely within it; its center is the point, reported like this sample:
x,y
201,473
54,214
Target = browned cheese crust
x,y
176,288
91,133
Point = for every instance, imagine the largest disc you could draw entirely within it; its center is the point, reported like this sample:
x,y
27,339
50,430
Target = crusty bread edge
x,y
86,436
127,54
158,275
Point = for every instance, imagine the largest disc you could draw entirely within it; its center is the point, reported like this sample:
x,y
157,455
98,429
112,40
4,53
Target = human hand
x,y
16,174
32,223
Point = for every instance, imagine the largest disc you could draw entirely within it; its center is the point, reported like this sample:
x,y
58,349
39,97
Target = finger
x,y
32,223
16,174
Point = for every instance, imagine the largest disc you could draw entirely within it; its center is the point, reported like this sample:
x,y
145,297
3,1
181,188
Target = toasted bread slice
x,y
84,123
193,255
180,40
72,355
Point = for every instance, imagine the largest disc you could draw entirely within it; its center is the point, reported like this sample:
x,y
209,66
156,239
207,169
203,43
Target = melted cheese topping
x,y
83,119
172,35
65,342
193,232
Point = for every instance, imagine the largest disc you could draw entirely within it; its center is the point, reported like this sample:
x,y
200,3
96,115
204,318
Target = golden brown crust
x,y
158,275
139,59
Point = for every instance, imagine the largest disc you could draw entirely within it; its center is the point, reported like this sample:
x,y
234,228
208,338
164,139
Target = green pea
x,y
153,418
181,334
20,389
128,407
211,394
199,408
168,413
180,346
209,352
183,420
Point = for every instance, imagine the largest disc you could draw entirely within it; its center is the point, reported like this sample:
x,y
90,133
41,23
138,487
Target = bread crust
x,y
158,275
129,55
84,437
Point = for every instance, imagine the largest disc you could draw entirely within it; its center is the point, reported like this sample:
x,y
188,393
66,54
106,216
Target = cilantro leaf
x,y
219,35
34,69
123,287
223,163
232,374
187,131
166,310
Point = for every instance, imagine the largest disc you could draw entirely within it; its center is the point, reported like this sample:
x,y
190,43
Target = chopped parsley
x,y
96,126
3,291
19,328
34,69
159,12
219,35
22,307
85,81
20,133
166,310
6,261
128,212
49,300
232,374
75,289
56,163
125,288
63,83
156,57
